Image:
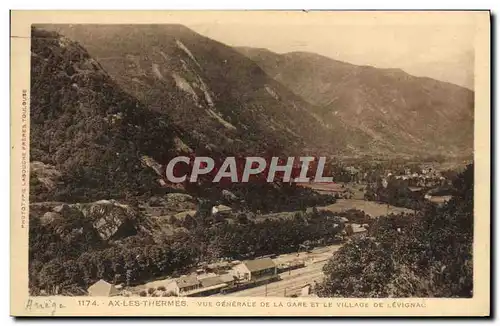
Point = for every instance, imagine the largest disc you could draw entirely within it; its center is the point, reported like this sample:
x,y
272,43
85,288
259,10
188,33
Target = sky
x,y
438,48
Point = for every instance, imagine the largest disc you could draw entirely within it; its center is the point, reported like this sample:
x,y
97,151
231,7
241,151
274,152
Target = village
x,y
289,274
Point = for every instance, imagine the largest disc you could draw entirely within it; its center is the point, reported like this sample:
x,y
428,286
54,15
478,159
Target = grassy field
x,y
356,201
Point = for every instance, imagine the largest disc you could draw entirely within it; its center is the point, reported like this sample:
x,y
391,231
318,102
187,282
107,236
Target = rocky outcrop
x,y
108,218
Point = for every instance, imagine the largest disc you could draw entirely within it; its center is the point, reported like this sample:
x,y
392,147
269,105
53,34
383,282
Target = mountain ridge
x,y
261,102
391,106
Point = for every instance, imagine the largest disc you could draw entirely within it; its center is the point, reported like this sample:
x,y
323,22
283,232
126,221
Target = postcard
x,y
250,163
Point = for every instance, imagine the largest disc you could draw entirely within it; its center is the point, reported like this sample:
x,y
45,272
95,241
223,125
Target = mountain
x,y
389,109
225,100
89,139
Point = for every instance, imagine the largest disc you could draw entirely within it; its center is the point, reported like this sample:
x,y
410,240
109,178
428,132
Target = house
x,y
257,270
221,210
184,285
359,230
102,288
218,267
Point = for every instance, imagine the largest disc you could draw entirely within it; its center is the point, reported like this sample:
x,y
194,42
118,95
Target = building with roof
x,y
184,285
256,270
290,265
210,281
102,288
209,285
358,230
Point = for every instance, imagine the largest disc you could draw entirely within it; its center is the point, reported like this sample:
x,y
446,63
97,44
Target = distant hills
x,y
390,110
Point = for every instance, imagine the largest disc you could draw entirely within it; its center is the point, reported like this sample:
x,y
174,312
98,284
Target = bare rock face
x,y
107,217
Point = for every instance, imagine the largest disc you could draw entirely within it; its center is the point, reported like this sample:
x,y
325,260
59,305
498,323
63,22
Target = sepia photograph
x,y
300,159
